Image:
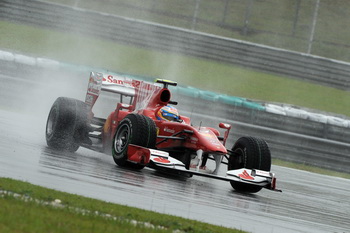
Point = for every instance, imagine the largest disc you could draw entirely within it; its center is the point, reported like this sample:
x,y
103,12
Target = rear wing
x,y
119,84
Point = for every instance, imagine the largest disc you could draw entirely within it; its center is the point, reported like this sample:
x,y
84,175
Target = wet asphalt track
x,y
309,202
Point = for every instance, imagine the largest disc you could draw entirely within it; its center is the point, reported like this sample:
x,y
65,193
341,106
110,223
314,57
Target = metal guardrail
x,y
261,118
227,107
297,65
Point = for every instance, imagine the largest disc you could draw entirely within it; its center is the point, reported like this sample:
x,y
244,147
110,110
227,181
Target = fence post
x,y
248,9
153,4
76,3
314,21
296,17
195,14
225,12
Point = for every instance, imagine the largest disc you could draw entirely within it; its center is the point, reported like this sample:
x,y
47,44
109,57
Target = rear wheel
x,y
133,129
251,153
67,124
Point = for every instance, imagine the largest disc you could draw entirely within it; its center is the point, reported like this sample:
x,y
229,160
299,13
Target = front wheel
x,y
251,153
133,129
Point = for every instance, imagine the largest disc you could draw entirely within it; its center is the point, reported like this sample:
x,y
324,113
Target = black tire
x,y
251,153
67,124
183,156
133,129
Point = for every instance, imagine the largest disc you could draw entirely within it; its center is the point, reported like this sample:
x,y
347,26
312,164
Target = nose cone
x,y
209,142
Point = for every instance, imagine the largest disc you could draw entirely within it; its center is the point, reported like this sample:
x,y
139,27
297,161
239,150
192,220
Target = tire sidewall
x,y
121,156
51,123
141,132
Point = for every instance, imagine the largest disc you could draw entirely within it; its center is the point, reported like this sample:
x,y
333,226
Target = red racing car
x,y
148,131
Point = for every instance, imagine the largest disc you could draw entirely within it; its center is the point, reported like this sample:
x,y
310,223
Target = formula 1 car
x,y
136,137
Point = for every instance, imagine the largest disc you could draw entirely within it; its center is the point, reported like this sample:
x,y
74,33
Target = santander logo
x,y
121,81
244,175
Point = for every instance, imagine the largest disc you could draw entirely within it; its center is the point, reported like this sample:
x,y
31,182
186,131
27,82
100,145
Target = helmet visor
x,y
170,116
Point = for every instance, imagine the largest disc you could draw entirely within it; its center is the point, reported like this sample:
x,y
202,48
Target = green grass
x,y
186,70
37,215
275,22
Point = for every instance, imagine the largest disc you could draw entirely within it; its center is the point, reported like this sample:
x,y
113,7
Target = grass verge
x,y
204,74
30,208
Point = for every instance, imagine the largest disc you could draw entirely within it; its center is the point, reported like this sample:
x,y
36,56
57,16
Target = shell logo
x,y
161,160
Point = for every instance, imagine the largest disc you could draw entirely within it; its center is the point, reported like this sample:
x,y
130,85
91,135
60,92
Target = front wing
x,y
161,160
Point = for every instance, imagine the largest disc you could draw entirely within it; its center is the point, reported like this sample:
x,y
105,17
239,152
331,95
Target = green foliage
x,y
18,215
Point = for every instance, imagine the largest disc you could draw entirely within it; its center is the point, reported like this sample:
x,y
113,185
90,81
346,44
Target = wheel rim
x,y
51,122
121,140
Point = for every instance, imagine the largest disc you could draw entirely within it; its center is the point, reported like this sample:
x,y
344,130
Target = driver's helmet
x,y
168,113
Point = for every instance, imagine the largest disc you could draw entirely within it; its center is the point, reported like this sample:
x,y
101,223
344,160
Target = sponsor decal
x,y
89,99
214,142
96,77
119,80
94,86
107,125
262,173
244,175
166,129
193,140
207,133
203,131
159,153
161,160
125,105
